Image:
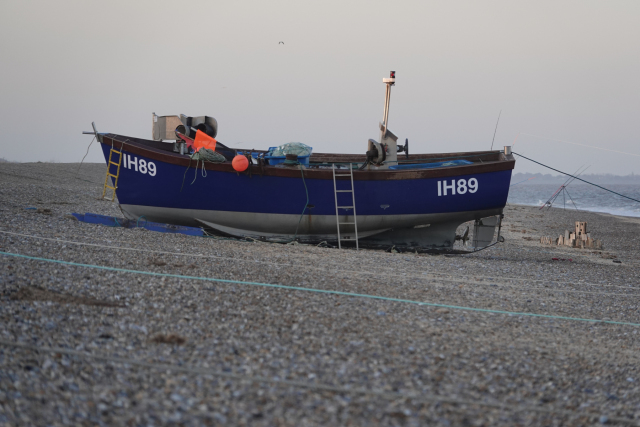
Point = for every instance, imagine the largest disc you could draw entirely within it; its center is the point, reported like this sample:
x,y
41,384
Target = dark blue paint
x,y
171,187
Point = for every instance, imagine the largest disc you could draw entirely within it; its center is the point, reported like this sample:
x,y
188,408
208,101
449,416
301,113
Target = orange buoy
x,y
240,163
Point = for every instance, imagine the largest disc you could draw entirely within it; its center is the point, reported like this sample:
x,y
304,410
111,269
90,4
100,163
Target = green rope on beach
x,y
320,291
138,220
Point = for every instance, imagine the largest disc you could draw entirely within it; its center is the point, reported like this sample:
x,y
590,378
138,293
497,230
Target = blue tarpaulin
x,y
112,221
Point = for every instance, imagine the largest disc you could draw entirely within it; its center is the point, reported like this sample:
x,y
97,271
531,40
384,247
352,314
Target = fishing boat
x,y
383,197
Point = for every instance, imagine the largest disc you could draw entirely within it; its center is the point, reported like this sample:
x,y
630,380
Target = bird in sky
x,y
281,42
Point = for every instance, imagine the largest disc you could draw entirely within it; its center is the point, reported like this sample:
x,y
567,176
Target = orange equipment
x,y
203,140
240,163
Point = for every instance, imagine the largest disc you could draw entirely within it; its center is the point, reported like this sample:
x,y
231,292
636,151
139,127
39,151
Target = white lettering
x,y
135,162
451,187
140,165
124,160
473,185
462,186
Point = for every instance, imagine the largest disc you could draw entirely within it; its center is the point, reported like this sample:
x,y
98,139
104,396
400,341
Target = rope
x,y
312,386
306,190
533,177
85,155
138,220
203,172
204,155
576,143
435,276
185,174
579,179
195,175
321,291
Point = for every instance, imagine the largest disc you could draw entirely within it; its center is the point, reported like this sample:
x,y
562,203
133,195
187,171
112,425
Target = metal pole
x,y
335,193
387,101
353,198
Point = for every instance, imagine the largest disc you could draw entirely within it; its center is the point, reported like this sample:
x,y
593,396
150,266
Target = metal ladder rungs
x,y
349,174
109,174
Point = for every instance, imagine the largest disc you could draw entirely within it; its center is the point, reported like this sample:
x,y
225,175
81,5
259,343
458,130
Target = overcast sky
x,y
564,71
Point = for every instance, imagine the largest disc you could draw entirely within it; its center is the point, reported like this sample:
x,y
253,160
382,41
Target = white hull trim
x,y
311,227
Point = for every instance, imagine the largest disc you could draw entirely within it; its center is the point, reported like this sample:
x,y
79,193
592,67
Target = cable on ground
x,y
321,291
433,275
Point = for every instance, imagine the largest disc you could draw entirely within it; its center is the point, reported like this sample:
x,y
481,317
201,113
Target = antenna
x,y
494,132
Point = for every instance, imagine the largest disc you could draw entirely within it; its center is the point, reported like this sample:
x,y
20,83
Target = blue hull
x,y
167,192
174,186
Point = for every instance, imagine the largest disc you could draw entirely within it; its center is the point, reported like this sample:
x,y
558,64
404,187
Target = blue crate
x,y
276,160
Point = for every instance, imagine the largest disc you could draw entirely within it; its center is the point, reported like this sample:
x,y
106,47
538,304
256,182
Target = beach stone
x,y
82,345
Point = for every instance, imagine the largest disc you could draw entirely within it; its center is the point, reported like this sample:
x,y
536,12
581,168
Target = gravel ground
x,y
87,346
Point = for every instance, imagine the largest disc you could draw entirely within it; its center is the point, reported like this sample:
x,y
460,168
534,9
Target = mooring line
x,y
431,398
577,143
434,276
321,291
579,179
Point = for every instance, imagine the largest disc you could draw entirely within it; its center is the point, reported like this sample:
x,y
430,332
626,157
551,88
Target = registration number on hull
x,y
139,165
460,186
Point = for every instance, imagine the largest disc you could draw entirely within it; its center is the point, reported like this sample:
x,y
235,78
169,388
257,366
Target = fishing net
x,y
297,148
207,155
204,155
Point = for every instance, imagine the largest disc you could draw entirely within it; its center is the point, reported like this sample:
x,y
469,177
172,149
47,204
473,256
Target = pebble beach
x,y
112,326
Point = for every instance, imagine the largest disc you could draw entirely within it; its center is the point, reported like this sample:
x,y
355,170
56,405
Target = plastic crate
x,y
276,160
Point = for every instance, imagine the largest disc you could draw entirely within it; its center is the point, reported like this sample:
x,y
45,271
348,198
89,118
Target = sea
x,y
579,196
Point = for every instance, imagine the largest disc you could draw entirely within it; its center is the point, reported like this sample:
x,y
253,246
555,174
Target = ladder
x,y
109,174
353,206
